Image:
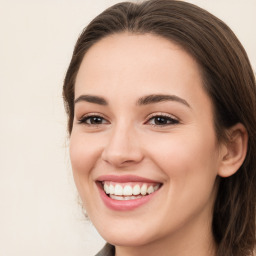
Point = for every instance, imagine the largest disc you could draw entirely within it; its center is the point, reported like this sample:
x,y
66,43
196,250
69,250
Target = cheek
x,y
188,159
190,166
84,152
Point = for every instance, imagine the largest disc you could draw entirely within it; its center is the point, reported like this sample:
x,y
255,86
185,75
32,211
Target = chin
x,y
129,235
127,239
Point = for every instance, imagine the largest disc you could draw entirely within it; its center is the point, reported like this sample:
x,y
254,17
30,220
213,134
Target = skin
x,y
184,155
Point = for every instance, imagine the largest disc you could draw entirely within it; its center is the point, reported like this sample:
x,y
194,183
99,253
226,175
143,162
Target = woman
x,y
161,104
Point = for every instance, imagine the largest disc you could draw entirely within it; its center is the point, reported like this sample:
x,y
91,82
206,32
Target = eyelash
x,y
85,118
167,119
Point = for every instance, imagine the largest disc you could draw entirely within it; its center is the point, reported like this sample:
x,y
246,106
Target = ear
x,y
235,150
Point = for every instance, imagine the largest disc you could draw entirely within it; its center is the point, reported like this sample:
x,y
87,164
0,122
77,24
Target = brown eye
x,y
93,120
162,120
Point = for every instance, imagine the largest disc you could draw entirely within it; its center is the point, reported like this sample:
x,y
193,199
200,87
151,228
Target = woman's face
x,y
143,147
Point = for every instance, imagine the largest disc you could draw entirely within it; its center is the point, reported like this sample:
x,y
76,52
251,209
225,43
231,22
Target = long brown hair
x,y
228,80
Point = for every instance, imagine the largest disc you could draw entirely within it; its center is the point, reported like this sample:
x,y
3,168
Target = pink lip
x,y
124,205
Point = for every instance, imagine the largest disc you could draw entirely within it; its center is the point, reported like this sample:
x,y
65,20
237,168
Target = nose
x,y
122,147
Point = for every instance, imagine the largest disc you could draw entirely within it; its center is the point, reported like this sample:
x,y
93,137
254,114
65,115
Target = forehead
x,y
128,58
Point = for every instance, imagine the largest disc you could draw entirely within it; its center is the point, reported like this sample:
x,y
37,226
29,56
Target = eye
x,y
92,120
162,120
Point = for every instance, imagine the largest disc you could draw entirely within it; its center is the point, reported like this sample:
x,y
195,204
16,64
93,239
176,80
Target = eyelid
x,y
81,120
161,114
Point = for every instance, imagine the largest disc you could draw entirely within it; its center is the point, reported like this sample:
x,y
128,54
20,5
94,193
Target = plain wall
x,y
39,210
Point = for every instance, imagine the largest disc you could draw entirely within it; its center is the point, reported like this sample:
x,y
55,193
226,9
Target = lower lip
x,y
124,205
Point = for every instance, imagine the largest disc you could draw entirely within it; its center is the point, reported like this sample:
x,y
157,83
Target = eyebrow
x,y
145,100
156,98
92,99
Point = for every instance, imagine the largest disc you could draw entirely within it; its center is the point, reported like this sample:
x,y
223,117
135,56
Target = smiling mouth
x,y
130,190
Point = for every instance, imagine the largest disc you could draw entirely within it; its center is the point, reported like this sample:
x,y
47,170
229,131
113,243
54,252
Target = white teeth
x,y
156,187
121,198
143,189
106,188
150,190
136,190
111,189
128,192
118,190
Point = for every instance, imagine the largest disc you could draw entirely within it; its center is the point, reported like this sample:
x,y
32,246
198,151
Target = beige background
x,y
39,214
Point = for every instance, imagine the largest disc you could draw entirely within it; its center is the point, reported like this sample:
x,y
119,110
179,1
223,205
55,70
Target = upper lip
x,y
125,178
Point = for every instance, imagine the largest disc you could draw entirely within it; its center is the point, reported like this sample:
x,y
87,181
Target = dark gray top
x,y
107,250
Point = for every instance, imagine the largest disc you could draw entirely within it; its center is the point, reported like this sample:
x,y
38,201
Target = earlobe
x,y
235,150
